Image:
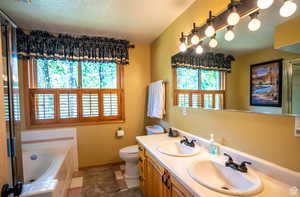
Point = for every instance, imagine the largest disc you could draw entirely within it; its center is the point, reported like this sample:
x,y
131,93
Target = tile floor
x,y
101,182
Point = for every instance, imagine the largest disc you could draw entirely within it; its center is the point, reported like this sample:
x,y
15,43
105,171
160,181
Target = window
x,y
63,91
199,88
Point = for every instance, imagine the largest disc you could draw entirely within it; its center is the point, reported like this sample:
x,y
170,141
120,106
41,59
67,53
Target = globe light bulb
x,y
254,24
182,47
210,31
229,35
233,18
199,49
213,43
264,4
288,8
195,39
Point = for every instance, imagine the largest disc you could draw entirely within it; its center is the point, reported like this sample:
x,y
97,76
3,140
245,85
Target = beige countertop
x,y
177,166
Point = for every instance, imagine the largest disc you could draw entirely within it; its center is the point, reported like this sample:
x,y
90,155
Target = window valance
x,y
43,44
206,61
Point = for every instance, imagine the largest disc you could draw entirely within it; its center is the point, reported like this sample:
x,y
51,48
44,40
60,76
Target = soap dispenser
x,y
212,147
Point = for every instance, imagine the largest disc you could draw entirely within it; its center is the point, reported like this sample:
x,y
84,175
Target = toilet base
x,y
131,183
131,170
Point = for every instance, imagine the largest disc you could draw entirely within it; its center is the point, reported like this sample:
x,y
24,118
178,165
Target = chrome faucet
x,y
239,167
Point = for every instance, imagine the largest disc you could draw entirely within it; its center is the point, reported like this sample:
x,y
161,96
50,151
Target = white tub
x,y
48,165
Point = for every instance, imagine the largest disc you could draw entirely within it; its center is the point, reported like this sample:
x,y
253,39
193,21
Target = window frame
x,y
30,89
201,93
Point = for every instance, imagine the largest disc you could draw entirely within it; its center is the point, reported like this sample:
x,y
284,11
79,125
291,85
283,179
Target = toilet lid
x,y
130,149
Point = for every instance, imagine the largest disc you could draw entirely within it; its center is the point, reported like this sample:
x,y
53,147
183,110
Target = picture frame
x,y
266,84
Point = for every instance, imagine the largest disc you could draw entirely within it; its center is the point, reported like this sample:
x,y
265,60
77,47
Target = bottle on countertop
x,y
212,147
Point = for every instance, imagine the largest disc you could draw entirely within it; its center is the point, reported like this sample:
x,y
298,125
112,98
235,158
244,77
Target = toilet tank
x,y
154,129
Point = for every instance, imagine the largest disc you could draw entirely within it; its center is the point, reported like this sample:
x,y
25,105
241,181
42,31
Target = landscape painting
x,y
266,84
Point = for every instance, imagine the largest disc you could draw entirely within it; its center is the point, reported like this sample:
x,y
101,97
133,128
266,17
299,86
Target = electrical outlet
x,y
297,132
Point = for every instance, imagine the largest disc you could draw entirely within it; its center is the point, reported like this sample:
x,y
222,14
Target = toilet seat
x,y
130,150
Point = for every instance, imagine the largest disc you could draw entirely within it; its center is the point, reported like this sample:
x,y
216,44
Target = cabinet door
x,y
153,179
177,190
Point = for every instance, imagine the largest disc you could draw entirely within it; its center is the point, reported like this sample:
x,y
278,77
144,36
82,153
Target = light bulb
x,y
195,39
229,35
254,24
182,47
288,8
199,49
264,4
233,18
210,31
213,43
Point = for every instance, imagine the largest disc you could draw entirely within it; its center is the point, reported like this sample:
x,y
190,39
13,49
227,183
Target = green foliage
x,y
195,79
64,74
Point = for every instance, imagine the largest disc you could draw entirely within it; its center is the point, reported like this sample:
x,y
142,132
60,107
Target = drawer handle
x,y
140,148
168,182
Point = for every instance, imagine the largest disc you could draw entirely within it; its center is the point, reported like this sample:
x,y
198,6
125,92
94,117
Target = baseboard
x,y
102,165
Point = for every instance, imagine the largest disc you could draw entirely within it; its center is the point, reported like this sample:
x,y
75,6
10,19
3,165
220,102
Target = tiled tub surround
x,y
277,181
49,160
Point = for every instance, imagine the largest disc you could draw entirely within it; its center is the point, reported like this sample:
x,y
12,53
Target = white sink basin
x,y
216,176
177,149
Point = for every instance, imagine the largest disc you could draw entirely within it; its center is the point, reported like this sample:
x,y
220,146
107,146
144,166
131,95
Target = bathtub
x,y
48,166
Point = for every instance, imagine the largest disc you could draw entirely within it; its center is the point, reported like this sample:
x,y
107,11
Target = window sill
x,y
75,124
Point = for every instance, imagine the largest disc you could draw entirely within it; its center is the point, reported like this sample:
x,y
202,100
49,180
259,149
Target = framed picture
x,y
266,84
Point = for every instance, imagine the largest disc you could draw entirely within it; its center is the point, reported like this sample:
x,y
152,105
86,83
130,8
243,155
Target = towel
x,y
156,100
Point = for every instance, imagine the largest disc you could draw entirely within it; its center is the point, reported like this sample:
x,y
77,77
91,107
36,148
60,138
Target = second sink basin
x,y
216,176
176,149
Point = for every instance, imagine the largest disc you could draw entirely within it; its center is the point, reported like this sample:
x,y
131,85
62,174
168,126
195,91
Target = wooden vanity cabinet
x,y
157,181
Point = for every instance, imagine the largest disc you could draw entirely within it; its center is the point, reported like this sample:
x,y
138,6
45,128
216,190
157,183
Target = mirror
x,y
265,76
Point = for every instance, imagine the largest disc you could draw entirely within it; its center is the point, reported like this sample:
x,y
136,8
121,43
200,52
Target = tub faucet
x,y
239,167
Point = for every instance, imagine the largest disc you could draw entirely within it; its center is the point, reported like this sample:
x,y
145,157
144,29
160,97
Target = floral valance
x,y
206,61
42,44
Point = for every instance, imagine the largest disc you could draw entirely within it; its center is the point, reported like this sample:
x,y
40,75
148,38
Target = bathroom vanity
x,y
163,175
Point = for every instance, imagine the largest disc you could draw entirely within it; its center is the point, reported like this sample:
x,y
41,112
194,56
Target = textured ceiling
x,y
135,20
246,41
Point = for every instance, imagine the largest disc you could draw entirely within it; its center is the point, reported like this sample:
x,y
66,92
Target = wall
x,y
97,144
247,132
240,78
286,33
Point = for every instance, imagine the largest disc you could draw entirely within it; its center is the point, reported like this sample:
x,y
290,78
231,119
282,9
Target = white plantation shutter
x,y
90,105
44,106
183,100
196,100
68,106
110,104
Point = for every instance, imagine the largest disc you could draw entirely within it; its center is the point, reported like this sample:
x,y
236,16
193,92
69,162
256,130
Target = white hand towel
x,y
156,100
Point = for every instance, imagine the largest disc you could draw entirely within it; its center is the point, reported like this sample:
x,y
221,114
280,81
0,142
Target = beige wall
x,y
238,82
247,132
97,144
287,33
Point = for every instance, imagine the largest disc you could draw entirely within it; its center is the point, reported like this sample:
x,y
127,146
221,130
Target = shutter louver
x,y
44,106
90,105
68,105
110,104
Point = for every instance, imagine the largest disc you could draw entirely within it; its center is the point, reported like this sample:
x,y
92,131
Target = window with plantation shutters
x,y
63,92
199,88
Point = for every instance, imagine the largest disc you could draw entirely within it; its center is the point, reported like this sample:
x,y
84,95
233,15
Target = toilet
x,y
130,155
